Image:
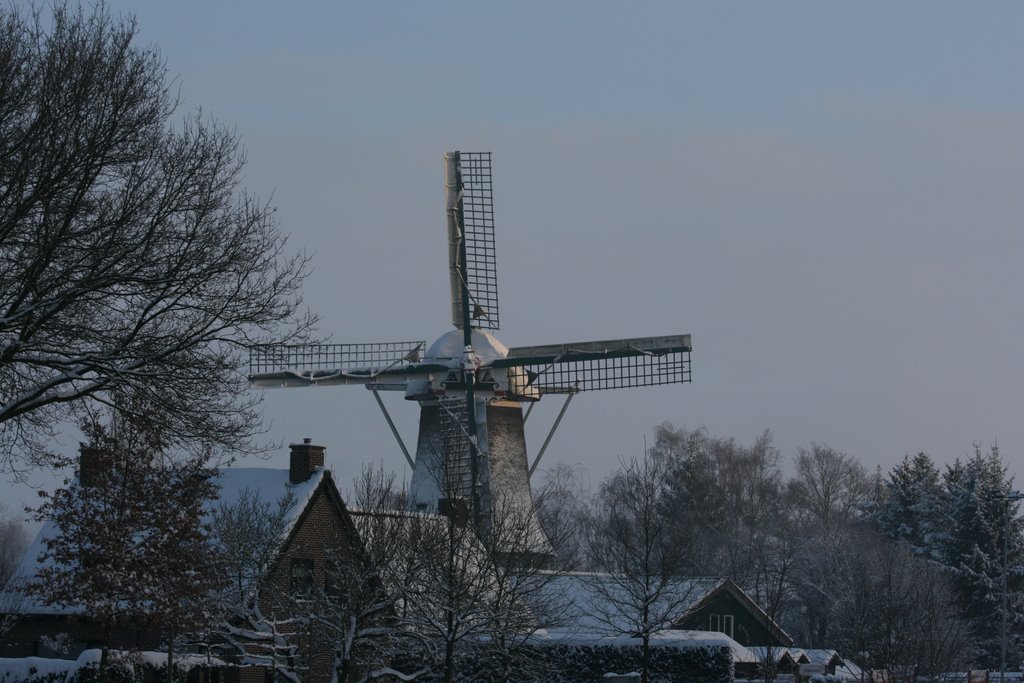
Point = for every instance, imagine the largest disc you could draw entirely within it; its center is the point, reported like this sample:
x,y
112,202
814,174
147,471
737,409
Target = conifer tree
x,y
976,515
912,506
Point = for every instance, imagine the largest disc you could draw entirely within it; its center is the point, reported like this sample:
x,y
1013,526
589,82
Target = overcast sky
x,y
826,196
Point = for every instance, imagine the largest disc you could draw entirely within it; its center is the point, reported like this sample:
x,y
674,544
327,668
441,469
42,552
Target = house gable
x,y
322,529
729,610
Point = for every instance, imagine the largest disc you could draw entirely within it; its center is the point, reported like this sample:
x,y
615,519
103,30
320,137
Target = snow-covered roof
x,y
821,656
270,485
449,347
849,671
778,653
411,528
799,655
29,568
602,603
402,524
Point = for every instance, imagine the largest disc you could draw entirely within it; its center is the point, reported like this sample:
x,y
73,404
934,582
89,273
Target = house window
x,y
301,577
714,623
727,625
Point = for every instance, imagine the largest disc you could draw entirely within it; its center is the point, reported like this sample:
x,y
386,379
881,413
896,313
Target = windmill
x,y
470,387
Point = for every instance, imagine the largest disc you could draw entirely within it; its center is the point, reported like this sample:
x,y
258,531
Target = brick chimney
x,y
92,462
305,458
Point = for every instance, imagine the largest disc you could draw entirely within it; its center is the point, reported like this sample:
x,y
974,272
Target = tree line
x,y
898,570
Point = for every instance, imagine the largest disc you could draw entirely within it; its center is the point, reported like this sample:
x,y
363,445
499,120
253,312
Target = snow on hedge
x,y
43,670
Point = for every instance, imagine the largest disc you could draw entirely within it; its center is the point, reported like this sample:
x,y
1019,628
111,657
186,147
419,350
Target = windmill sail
x,y
471,257
389,365
609,364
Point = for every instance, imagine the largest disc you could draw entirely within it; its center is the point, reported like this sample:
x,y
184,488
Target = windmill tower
x,y
471,450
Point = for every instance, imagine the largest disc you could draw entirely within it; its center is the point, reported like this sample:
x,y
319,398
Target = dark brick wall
x,y
321,531
246,674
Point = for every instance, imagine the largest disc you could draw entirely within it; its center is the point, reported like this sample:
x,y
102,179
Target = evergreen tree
x,y
977,512
912,506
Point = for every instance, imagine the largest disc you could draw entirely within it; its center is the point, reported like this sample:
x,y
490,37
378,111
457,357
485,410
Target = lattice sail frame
x,y
599,365
472,191
313,360
610,373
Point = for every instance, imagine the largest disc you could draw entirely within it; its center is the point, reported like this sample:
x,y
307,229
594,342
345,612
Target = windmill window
x,y
727,625
714,624
301,583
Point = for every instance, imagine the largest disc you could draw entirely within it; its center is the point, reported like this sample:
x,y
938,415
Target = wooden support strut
x,y
544,447
394,430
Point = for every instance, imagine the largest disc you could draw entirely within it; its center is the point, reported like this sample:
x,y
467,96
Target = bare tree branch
x,y
130,258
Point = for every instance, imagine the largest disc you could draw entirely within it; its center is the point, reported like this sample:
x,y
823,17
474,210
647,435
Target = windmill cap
x,y
450,347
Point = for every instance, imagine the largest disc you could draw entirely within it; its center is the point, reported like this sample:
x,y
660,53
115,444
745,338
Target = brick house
x,y
316,521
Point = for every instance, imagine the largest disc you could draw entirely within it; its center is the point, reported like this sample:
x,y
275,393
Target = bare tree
x,y
894,610
398,544
563,506
13,543
249,532
641,553
130,259
750,483
830,486
940,642
519,601
12,604
464,600
356,610
445,607
770,579
722,495
693,496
